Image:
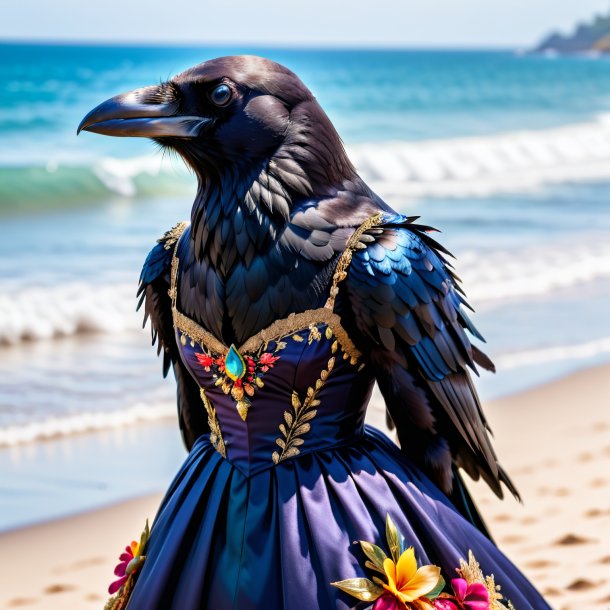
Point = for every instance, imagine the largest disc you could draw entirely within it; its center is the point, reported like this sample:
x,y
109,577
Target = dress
x,y
266,509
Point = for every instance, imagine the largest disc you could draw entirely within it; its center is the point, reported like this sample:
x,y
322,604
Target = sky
x,y
409,23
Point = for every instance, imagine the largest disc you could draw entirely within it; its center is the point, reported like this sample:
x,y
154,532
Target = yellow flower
x,y
408,582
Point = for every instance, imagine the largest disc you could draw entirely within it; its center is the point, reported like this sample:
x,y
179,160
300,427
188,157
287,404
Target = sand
x,y
554,440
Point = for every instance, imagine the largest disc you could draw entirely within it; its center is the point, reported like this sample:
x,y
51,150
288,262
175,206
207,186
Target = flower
x,y
204,360
267,360
126,566
406,581
388,602
407,588
444,603
472,596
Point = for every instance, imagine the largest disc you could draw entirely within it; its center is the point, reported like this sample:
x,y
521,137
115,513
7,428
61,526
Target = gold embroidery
x,y
190,328
297,423
279,329
169,240
215,432
314,334
300,321
353,243
173,235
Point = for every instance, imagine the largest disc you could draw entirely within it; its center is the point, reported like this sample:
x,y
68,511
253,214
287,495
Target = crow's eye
x,y
221,95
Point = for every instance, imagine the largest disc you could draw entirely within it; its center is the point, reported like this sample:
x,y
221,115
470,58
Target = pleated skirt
x,y
275,540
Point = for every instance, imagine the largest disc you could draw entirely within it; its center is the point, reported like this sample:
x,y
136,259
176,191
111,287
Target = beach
x,y
554,440
507,155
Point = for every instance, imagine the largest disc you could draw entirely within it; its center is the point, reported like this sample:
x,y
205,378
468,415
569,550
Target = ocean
x,y
508,155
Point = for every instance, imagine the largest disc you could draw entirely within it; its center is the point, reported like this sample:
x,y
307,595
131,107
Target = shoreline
x,y
554,440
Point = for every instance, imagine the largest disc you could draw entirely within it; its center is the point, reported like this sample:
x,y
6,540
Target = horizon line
x,y
321,46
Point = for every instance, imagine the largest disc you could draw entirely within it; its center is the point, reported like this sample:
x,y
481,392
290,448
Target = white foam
x,y
53,427
551,354
118,175
534,271
39,313
46,312
160,172
482,166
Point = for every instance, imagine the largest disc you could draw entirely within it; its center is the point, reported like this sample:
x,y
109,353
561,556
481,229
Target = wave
x,y
33,314
551,354
490,279
482,166
54,427
454,167
494,277
65,185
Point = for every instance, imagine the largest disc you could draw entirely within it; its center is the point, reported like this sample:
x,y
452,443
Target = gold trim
x,y
215,431
353,243
278,330
173,235
298,421
169,240
298,322
196,332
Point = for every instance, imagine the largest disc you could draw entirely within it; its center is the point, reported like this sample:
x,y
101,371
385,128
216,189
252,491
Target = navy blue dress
x,y
266,508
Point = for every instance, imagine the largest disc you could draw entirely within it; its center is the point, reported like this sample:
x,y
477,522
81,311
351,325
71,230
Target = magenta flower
x,y
466,597
444,603
131,552
388,602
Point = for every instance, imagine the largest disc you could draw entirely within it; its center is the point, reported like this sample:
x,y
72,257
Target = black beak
x,y
150,112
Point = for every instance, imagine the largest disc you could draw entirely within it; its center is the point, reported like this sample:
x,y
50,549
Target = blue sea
x,y
507,154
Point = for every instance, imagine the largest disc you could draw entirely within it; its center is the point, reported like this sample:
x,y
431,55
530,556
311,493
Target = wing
x,y
153,294
407,303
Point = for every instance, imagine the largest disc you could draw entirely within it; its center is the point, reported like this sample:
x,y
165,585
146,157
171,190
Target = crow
x,y
276,202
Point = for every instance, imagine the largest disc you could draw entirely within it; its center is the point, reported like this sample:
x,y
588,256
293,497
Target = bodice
x,y
297,386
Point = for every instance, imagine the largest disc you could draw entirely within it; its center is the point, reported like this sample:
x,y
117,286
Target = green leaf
x,y
144,538
375,554
391,533
437,590
360,588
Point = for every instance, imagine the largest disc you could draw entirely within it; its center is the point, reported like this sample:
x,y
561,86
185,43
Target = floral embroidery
x,y
297,423
399,584
314,334
238,375
215,431
131,562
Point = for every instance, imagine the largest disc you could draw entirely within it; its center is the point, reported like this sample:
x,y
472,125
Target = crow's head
x,y
234,117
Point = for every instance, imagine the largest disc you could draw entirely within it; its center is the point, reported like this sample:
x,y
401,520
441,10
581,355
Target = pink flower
x,y
125,559
268,359
388,602
467,597
444,603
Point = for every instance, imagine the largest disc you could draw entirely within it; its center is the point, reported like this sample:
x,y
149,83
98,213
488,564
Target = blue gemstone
x,y
235,367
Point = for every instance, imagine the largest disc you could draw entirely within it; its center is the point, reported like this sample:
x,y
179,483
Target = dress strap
x,y
346,256
170,241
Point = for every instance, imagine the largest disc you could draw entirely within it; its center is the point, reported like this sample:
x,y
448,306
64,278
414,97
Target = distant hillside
x,y
587,37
